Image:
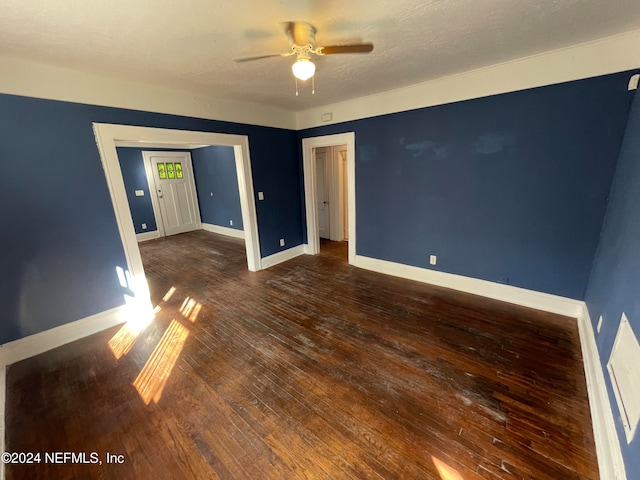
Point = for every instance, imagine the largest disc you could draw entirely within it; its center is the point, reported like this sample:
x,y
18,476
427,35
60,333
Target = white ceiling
x,y
191,45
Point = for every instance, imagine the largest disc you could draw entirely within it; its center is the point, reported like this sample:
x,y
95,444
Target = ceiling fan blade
x,y
260,57
355,48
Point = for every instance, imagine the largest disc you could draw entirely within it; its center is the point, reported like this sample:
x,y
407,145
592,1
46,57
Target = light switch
x,y
260,195
139,193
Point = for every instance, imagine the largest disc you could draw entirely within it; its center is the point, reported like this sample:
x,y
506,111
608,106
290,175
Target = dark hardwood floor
x,y
310,369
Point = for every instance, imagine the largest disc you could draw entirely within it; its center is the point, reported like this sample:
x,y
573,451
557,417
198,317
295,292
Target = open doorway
x,y
332,200
109,136
329,181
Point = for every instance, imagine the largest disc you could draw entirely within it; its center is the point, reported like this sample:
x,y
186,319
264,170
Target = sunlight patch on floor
x,y
154,374
190,309
446,472
169,294
139,317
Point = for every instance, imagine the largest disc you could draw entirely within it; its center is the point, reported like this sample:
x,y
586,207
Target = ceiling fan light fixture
x,y
303,69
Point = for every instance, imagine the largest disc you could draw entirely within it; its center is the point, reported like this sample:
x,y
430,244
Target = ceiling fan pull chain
x,y
296,86
313,85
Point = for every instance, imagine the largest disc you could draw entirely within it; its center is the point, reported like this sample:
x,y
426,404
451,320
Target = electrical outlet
x,y
433,259
282,242
231,222
260,195
144,226
599,324
211,193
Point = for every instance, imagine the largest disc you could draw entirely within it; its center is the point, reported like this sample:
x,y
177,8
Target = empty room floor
x,y
311,369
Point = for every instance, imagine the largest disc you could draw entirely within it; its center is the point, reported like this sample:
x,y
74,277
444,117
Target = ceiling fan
x,y
302,39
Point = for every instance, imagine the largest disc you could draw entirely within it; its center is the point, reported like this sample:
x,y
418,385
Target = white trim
x,y
31,79
310,195
144,236
610,461
229,232
107,136
497,291
600,57
41,342
283,256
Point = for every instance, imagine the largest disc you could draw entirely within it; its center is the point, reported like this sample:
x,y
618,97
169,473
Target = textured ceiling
x,y
191,45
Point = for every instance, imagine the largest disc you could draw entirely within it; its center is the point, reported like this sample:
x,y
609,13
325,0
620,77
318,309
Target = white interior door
x,y
175,191
323,159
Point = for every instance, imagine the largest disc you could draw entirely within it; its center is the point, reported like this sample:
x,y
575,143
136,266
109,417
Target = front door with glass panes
x,y
175,191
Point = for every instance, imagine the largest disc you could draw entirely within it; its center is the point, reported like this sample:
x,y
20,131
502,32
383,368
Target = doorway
x,y
108,136
341,222
332,192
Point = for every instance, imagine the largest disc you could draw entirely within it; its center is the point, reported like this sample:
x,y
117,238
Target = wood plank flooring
x,y
311,369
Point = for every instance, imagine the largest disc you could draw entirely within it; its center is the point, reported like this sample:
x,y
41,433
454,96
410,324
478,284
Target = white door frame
x,y
310,194
151,180
110,135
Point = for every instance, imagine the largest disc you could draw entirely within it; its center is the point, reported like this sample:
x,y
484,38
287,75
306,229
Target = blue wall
x,y
215,172
510,186
59,236
614,286
135,178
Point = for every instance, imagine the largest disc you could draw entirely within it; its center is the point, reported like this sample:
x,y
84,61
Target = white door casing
x,y
309,167
108,136
176,206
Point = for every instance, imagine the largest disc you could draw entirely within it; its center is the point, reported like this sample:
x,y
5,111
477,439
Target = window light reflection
x,y
154,374
446,472
190,309
137,317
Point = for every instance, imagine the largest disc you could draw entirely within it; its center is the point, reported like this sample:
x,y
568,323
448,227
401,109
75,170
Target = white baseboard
x,y
610,461
230,232
283,256
143,237
307,249
38,343
497,291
